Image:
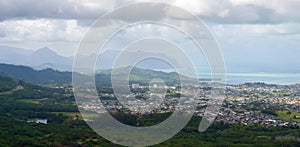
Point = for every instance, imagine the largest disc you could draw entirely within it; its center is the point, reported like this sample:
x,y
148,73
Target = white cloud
x,y
219,11
257,30
41,30
63,23
56,9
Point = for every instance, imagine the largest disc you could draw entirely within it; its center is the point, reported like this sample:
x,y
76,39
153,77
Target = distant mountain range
x,y
44,58
40,59
50,76
139,75
7,84
45,76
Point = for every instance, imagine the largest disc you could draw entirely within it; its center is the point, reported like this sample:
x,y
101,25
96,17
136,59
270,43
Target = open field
x,y
78,114
285,115
32,101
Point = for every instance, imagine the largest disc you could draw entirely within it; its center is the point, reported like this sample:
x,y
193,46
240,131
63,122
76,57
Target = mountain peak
x,y
45,50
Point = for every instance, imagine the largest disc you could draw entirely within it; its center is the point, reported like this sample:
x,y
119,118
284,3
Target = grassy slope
x,y
284,115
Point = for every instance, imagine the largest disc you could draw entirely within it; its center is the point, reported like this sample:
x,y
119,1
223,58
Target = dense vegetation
x,y
50,76
47,76
142,76
7,84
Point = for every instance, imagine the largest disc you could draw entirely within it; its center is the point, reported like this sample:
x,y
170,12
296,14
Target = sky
x,y
253,35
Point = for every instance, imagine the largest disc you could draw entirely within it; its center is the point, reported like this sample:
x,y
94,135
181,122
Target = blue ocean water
x,y
241,78
269,78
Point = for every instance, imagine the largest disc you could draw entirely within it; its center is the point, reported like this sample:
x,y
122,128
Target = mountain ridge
x,y
51,76
35,58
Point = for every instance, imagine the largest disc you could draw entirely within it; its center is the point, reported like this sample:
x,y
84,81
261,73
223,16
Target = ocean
x,y
269,78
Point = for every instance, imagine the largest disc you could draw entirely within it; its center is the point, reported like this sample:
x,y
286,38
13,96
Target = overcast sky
x,y
251,33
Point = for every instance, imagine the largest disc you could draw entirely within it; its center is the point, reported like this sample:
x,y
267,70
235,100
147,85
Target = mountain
x,y
46,58
45,55
50,76
144,76
46,76
42,58
139,73
107,59
7,84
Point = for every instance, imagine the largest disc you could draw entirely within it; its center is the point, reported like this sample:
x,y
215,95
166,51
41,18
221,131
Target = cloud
x,y
218,11
239,11
248,31
244,11
41,30
256,30
260,47
56,9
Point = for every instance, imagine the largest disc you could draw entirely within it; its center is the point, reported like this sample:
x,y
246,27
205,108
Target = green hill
x,y
46,76
50,76
142,76
7,84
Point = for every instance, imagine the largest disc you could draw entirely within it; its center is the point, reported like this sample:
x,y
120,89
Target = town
x,y
256,104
